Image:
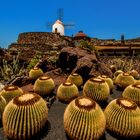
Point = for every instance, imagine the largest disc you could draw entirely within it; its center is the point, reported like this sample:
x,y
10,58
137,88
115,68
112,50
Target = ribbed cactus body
x,y
132,92
11,91
134,73
108,80
123,80
123,118
44,86
2,105
75,79
97,89
24,116
84,119
35,73
67,92
117,73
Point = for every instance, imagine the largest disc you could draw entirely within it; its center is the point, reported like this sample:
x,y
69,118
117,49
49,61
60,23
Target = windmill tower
x,y
58,26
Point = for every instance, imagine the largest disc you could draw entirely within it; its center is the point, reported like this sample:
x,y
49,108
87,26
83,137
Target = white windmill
x,y
58,26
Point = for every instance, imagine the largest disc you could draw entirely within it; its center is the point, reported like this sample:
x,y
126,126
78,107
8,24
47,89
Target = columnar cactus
x,y
2,105
35,73
108,80
44,85
123,118
97,89
75,79
132,92
124,79
10,91
84,119
24,116
67,92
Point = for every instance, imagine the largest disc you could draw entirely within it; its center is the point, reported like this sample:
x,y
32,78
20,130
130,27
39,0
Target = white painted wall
x,y
59,26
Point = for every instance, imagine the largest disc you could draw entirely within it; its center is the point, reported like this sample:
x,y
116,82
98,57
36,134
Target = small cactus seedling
x,y
24,116
76,79
123,118
44,85
67,92
84,119
11,91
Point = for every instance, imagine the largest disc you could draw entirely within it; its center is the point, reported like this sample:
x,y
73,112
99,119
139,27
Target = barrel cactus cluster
x,y
44,86
123,118
24,116
84,119
96,89
67,91
10,91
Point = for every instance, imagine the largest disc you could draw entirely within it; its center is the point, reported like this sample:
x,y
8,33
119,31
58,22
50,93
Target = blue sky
x,y
97,18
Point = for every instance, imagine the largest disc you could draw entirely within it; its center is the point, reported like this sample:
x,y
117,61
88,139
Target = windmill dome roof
x,y
58,22
80,34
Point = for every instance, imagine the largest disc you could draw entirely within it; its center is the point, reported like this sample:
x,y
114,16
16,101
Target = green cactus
x,y
124,79
75,79
24,116
35,73
97,89
132,92
44,86
67,92
84,119
10,91
123,118
108,80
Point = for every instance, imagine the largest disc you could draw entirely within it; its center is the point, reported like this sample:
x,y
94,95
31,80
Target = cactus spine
x,y
67,92
84,119
44,85
11,91
123,118
24,116
97,89
75,79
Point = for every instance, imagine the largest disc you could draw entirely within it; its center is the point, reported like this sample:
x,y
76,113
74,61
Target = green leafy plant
x,y
11,70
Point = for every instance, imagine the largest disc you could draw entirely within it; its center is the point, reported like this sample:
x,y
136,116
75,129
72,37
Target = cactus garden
x,y
58,91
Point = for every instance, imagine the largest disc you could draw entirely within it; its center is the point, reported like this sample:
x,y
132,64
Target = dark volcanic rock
x,y
83,62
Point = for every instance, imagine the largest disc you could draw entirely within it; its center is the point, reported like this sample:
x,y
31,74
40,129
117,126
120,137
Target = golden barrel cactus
x,y
108,80
35,73
44,85
123,118
84,119
2,105
134,73
97,89
67,92
124,79
11,91
132,92
24,116
117,73
76,79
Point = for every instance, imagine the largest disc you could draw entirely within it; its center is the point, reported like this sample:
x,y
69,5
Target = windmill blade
x,y
60,14
49,24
